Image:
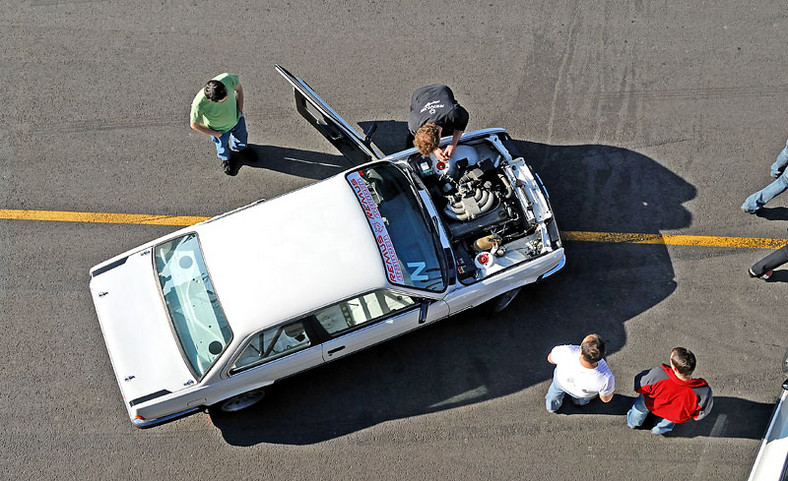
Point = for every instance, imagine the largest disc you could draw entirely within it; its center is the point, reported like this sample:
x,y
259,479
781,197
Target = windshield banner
x,y
393,271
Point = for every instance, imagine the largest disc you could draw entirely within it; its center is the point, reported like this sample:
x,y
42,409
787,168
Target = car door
x,y
329,123
368,319
272,354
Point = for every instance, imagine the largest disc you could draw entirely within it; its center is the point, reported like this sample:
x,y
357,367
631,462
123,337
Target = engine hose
x,y
509,191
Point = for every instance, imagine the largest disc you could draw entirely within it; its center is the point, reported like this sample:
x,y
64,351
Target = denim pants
x,y
637,415
555,397
234,139
780,185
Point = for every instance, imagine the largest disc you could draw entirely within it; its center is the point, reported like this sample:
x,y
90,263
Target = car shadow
x,y
476,356
301,163
390,135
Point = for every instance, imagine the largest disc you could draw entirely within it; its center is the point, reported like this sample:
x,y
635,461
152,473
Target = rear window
x,y
194,309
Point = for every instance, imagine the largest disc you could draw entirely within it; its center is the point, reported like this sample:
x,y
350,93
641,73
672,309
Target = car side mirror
x,y
785,384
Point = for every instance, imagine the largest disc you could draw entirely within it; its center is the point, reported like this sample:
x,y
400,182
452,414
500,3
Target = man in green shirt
x,y
218,114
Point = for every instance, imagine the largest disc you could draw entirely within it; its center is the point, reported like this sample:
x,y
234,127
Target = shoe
x,y
227,167
748,211
766,275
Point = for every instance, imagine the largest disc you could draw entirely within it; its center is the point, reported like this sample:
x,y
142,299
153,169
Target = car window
x,y
406,236
271,344
363,309
191,301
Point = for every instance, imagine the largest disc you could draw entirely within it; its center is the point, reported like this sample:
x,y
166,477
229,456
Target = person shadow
x,y
773,213
730,417
477,356
780,275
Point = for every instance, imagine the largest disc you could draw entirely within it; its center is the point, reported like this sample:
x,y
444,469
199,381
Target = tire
x,y
241,401
498,304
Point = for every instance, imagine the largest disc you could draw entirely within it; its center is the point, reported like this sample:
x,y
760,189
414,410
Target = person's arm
x,y
458,118
705,403
203,129
556,355
644,381
606,393
239,97
454,141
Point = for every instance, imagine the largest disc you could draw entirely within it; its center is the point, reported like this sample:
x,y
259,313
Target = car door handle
x,y
423,312
337,349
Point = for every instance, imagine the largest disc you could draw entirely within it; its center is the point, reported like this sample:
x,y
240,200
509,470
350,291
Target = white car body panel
x,y
771,464
311,247
381,331
136,329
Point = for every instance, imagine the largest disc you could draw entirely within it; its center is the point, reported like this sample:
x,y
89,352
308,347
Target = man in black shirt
x,y
433,114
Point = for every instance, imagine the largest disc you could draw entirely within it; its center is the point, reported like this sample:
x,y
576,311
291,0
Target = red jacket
x,y
670,398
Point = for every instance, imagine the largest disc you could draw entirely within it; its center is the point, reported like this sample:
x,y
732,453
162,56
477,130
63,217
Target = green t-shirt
x,y
219,116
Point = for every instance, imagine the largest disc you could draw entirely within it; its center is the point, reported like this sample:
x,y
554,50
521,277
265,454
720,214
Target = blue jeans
x,y
234,139
780,185
637,415
555,397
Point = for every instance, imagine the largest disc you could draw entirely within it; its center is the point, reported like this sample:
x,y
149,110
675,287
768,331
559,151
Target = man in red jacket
x,y
671,394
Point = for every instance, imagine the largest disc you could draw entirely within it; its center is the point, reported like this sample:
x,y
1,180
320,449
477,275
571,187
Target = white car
x,y
214,313
771,464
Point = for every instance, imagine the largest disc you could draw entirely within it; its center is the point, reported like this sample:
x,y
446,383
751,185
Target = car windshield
x,y
408,242
196,315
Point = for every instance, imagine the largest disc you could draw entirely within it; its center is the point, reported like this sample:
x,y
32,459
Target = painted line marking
x,y
578,236
674,239
98,217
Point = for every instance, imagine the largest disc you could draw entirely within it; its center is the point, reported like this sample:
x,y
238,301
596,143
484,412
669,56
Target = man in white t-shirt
x,y
579,372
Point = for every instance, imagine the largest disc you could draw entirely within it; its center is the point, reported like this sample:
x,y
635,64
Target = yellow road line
x,y
674,239
580,236
98,217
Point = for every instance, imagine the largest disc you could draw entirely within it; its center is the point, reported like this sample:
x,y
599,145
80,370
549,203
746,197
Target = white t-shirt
x,y
575,379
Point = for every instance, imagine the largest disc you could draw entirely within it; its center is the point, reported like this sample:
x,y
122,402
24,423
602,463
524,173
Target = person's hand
x,y
448,151
440,155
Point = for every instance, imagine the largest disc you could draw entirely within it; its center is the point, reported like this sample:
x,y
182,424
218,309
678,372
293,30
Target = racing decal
x,y
418,268
390,259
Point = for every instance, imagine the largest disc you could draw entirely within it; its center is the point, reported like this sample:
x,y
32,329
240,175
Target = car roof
x,y
291,255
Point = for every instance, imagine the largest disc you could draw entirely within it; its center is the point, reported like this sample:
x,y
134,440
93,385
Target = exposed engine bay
x,y
494,207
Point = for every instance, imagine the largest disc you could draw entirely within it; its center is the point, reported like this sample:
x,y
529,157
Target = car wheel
x,y
242,401
498,304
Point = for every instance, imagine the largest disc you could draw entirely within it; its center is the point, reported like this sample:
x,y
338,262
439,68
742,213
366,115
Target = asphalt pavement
x,y
641,117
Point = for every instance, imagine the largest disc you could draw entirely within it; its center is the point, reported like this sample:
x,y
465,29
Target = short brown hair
x,y
215,90
683,360
593,350
426,139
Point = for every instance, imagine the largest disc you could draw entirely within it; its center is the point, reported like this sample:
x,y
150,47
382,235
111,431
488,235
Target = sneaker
x,y
748,211
227,167
766,275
